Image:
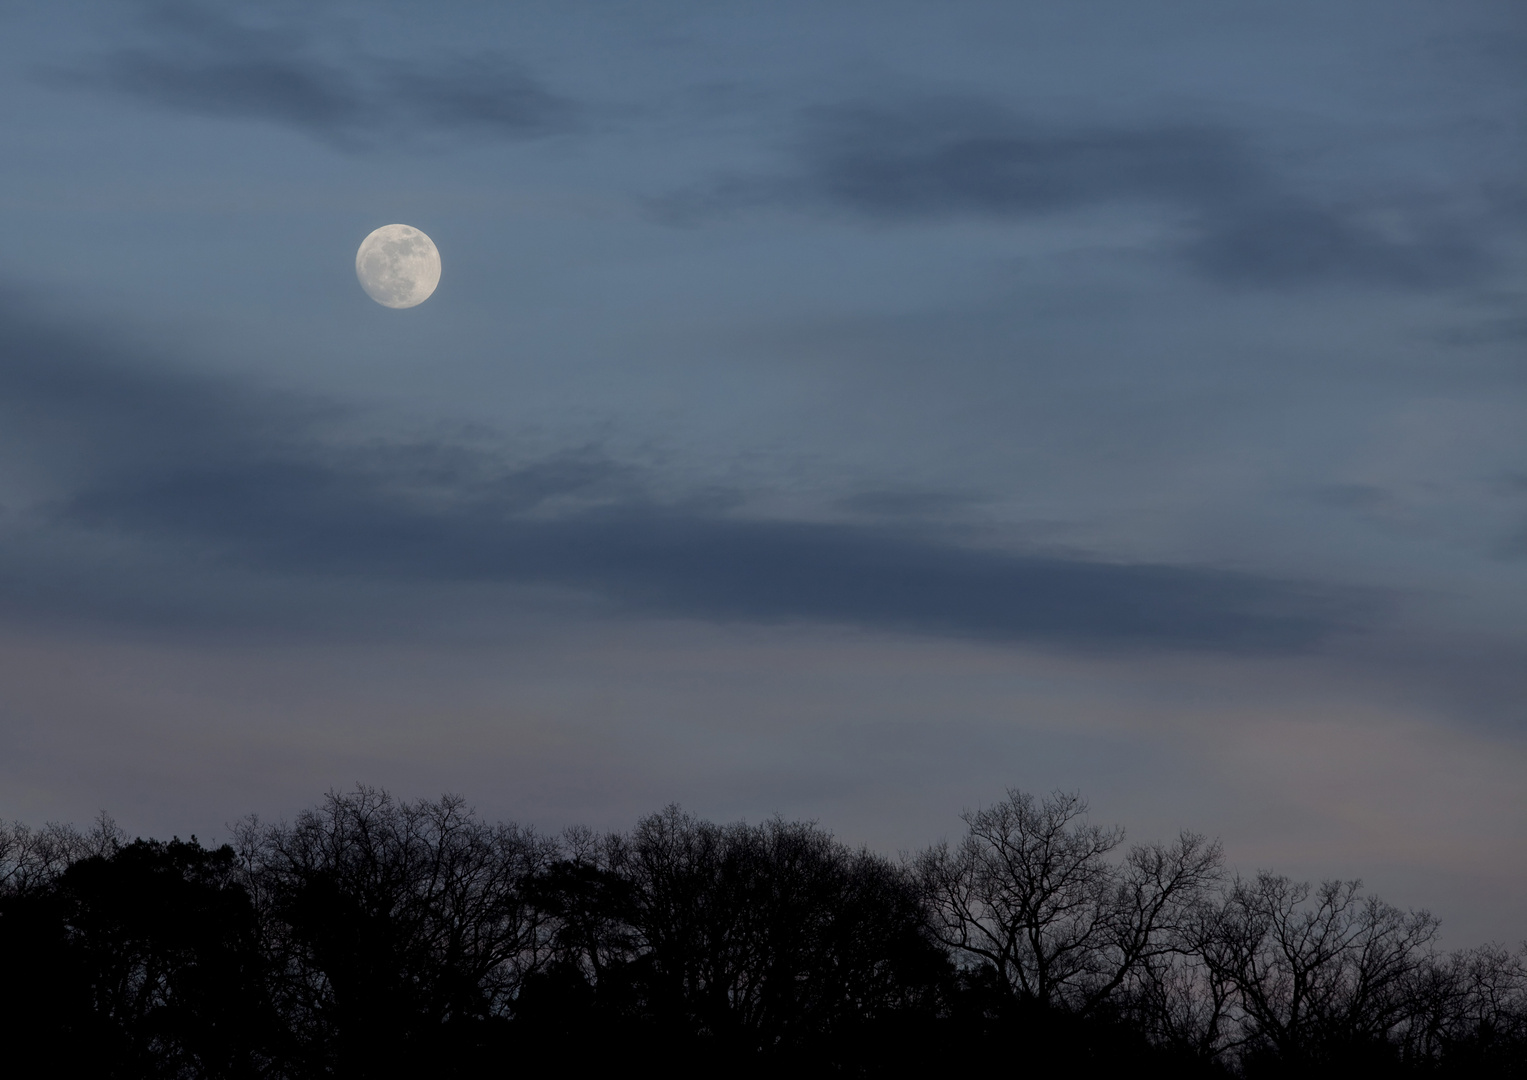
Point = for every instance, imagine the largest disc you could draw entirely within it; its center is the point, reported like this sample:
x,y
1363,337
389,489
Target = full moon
x,y
398,266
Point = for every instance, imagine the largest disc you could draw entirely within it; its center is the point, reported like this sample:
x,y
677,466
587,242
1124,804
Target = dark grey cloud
x,y
1493,331
246,484
1239,222
953,157
906,503
202,59
1289,241
1359,497
311,520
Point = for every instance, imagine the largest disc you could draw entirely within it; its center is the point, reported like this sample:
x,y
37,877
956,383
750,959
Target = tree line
x,y
371,937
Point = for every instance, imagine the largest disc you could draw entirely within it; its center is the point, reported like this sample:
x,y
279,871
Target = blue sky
x,y
844,411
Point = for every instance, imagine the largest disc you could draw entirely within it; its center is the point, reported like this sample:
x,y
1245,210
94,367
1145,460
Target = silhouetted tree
x,y
144,962
1324,977
1467,1014
32,859
1032,891
1180,1002
378,938
745,944
397,932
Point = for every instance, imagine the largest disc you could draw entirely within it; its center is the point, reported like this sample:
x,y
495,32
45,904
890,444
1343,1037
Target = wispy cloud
x,y
951,157
1290,241
200,59
245,484
1239,222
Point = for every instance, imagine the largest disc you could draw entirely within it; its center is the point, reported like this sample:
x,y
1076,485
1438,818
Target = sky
x,y
845,411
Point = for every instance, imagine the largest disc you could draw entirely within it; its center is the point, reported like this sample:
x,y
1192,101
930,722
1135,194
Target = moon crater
x,y
398,266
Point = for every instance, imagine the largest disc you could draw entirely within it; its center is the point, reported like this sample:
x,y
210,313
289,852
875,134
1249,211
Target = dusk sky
x,y
845,411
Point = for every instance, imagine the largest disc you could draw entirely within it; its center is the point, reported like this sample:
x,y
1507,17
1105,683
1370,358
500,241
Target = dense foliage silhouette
x,y
376,938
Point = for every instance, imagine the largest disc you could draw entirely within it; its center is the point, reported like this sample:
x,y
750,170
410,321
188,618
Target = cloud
x,y
950,157
1514,486
201,60
1238,222
906,503
650,558
1289,242
223,484
1505,329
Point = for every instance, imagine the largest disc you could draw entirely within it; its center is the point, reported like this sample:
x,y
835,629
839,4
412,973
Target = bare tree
x,y
587,906
1181,1003
1032,891
31,859
1318,971
1474,1010
771,934
392,921
1157,905
372,936
1027,891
